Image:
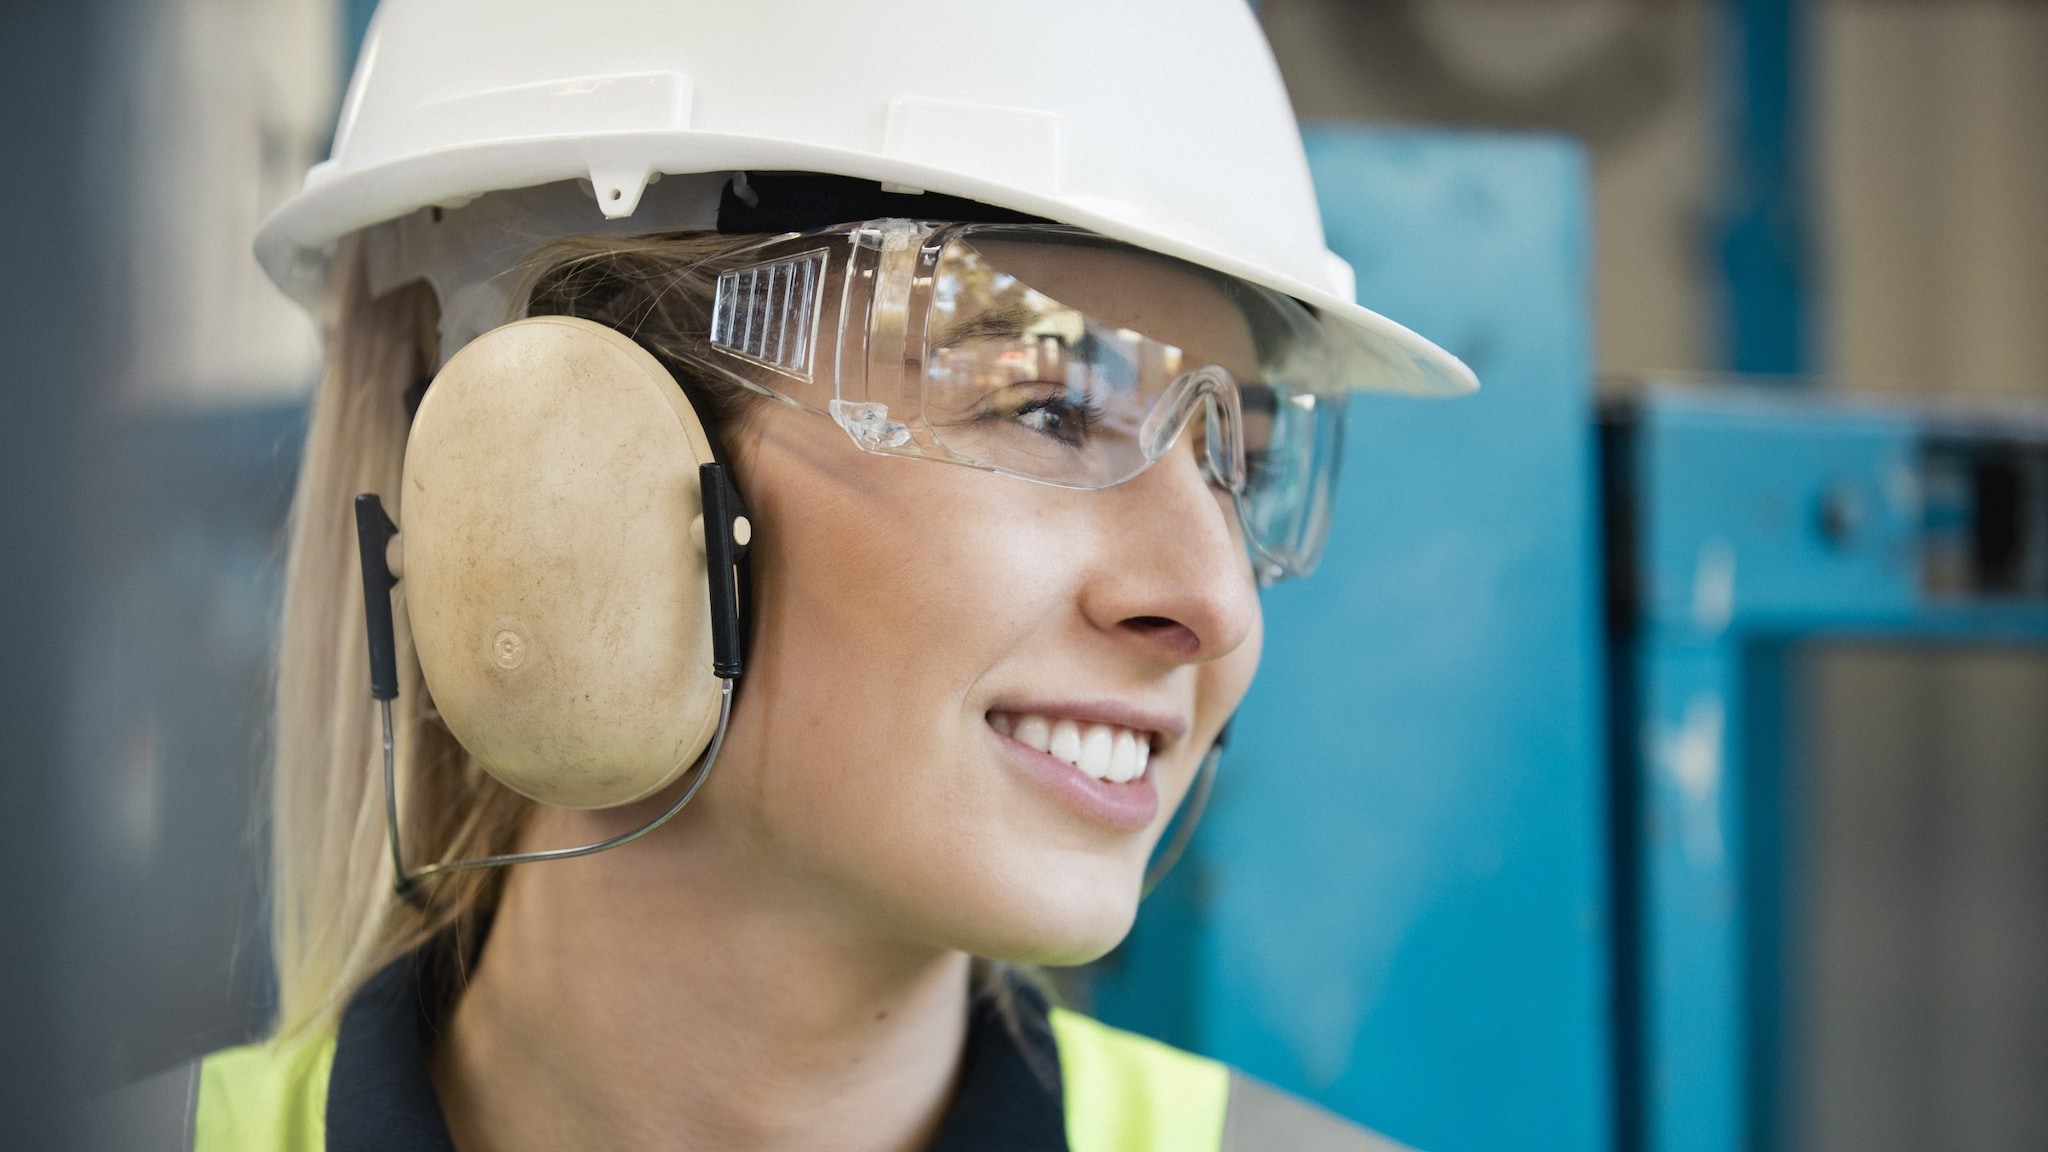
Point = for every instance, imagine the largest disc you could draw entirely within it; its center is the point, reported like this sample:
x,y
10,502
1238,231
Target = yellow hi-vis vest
x,y
1121,1093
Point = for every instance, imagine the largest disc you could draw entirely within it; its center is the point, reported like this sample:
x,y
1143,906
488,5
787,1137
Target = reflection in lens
x,y
1020,382
1017,381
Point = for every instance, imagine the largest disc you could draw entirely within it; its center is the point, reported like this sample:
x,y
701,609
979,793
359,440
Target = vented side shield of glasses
x,y
768,312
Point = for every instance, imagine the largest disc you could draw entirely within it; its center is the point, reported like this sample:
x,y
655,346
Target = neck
x,y
672,995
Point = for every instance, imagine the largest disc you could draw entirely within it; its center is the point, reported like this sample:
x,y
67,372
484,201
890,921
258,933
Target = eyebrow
x,y
1002,323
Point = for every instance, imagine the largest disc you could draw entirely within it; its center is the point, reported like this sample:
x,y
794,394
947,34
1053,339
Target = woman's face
x,y
935,646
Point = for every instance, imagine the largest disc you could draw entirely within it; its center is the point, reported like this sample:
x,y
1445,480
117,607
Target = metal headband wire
x,y
406,883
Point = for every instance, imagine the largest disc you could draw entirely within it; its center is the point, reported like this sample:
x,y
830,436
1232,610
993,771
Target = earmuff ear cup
x,y
554,564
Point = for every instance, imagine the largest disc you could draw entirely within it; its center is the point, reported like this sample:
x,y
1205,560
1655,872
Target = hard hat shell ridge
x,y
1161,123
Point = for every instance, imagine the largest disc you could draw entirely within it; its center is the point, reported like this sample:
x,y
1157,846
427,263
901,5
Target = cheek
x,y
886,591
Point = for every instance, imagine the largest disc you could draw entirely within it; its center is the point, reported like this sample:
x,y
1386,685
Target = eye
x,y
1051,410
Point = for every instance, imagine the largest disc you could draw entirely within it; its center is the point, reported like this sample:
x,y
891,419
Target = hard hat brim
x,y
296,242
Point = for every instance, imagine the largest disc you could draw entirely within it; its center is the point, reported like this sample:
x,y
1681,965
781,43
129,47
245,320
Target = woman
x,y
1071,246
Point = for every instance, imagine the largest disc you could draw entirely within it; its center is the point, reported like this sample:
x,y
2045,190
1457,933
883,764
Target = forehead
x,y
1165,299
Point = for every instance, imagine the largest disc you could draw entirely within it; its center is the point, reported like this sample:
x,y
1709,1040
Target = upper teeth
x,y
1105,751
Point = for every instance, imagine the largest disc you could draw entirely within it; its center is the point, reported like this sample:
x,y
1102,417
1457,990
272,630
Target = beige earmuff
x,y
554,556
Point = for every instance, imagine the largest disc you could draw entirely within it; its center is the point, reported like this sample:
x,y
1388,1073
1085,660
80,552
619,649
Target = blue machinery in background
x,y
1399,905
1493,859
1748,522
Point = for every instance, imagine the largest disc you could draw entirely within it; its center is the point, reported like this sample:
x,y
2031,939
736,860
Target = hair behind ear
x,y
334,918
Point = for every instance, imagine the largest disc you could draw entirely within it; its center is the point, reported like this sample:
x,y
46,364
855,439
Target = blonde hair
x,y
334,918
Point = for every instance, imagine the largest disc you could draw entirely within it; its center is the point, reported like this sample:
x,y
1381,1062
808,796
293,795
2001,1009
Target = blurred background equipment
x,y
1399,895
1656,765
1829,893
154,390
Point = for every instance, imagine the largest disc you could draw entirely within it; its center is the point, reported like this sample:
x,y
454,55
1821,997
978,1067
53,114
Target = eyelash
x,y
1082,416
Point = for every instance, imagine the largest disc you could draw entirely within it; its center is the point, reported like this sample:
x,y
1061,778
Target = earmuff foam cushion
x,y
554,562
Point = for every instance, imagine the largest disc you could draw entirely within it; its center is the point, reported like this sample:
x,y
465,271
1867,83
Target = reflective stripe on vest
x,y
1128,1093
1125,1093
265,1098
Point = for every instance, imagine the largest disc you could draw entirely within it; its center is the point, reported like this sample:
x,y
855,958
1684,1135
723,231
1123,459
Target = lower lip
x,y
1129,806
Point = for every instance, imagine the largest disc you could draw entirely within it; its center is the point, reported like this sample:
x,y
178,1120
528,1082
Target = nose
x,y
1171,577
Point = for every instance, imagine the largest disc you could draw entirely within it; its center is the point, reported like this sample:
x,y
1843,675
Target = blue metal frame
x,y
1757,521
1764,210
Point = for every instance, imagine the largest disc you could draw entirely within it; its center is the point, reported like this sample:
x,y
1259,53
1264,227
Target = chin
x,y
1058,918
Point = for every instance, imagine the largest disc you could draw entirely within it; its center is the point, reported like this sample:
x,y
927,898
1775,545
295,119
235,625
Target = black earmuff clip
x,y
374,531
727,533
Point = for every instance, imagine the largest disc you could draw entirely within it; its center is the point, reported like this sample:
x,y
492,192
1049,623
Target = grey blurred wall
x,y
154,397
1928,971
46,337
1933,156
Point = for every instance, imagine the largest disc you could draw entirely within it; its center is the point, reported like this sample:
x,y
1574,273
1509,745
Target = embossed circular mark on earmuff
x,y
507,649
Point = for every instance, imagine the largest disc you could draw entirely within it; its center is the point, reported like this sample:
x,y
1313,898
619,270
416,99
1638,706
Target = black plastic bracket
x,y
374,531
725,549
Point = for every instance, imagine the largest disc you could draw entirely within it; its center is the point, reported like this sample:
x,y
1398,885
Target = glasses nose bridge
x,y
1223,452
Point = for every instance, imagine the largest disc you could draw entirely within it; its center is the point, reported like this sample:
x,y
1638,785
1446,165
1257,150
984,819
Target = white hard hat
x,y
1161,123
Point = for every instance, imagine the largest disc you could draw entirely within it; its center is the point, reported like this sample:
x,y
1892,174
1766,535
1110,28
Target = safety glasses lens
x,y
1052,355
1291,470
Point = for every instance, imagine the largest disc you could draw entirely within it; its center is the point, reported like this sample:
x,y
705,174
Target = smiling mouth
x,y
1108,752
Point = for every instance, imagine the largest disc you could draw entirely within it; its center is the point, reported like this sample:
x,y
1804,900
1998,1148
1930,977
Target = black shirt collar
x,y
380,1097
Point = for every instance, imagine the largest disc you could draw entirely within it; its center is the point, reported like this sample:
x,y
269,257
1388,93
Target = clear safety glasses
x,y
1050,354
